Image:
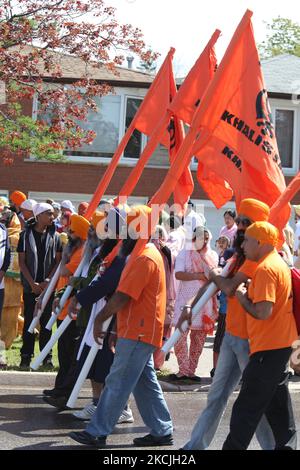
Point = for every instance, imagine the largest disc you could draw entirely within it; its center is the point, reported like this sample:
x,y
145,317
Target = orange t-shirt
x,y
143,317
272,282
64,280
236,322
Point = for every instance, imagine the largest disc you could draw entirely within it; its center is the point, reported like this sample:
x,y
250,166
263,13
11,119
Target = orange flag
x,y
182,105
148,115
240,145
195,84
282,203
186,103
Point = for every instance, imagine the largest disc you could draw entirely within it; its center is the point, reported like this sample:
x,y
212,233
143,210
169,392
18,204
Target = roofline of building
x,y
283,96
114,83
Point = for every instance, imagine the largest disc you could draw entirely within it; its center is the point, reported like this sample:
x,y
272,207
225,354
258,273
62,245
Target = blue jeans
x,y
132,371
233,358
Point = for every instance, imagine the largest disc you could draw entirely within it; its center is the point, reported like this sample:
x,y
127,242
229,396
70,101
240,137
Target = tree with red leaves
x,y
34,34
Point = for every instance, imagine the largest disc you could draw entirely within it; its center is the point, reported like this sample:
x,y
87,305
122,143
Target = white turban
x,y
42,207
68,205
28,204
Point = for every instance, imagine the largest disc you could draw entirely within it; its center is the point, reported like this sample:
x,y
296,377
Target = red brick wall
x,y
81,179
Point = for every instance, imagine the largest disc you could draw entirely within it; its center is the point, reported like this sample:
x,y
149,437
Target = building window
x,y
105,122
284,124
134,146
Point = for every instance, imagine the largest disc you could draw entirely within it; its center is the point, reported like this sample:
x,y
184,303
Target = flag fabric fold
x,y
235,113
145,120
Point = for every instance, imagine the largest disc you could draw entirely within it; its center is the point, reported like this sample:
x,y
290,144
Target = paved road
x,y
26,422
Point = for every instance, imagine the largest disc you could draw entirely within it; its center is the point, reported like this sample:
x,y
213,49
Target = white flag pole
x,y
45,300
86,368
210,291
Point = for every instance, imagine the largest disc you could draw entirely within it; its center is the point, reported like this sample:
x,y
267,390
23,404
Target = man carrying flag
x,y
139,305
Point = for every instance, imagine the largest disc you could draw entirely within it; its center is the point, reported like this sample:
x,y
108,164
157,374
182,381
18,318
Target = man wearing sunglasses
x,y
234,353
39,251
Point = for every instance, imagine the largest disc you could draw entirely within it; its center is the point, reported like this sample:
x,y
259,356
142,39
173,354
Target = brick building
x,y
78,177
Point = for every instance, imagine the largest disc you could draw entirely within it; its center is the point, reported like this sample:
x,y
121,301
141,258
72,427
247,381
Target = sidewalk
x,y
46,379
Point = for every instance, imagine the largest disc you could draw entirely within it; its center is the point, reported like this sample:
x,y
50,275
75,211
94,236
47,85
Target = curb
x,y
173,387
46,380
29,379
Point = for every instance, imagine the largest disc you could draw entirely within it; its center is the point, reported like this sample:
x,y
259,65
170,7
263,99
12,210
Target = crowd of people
x,y
143,298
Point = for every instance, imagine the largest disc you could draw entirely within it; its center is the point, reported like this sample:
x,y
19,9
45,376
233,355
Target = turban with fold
x,y
254,210
264,232
80,226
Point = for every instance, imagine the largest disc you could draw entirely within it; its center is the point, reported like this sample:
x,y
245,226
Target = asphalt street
x,y
27,423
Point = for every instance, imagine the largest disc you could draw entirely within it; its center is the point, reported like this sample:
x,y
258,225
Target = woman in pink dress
x,y
230,228
191,269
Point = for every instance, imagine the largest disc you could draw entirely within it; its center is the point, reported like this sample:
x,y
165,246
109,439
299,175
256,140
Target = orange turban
x,y
254,210
141,214
263,232
80,226
17,197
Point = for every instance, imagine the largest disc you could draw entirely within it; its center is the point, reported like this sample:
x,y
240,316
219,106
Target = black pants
x,y
27,349
66,383
1,300
66,348
264,391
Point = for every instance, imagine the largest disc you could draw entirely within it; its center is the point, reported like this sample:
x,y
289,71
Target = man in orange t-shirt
x,y
234,352
272,331
139,305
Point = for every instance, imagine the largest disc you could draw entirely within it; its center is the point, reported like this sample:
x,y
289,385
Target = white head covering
x,y
28,204
68,205
42,207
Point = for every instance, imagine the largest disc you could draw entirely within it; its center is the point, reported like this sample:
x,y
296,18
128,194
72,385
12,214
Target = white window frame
x,y
287,105
126,97
125,93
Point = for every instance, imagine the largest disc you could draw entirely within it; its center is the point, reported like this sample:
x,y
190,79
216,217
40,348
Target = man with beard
x,y
234,353
39,250
72,255
139,305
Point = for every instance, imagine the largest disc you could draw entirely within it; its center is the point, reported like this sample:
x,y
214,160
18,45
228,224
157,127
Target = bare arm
x,y
228,286
183,276
24,270
259,311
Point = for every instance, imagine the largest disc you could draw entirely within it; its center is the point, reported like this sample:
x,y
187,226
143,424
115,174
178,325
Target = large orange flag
x,y
182,106
186,103
240,144
148,115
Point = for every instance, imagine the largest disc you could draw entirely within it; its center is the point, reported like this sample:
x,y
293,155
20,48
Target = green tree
x,y
33,36
283,38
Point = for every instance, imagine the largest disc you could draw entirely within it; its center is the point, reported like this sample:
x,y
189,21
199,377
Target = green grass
x,y
13,356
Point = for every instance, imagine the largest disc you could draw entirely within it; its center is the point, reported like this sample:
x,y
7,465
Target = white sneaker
x,y
126,416
86,413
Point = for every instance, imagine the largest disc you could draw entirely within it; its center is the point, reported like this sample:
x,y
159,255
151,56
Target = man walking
x,y
139,304
272,331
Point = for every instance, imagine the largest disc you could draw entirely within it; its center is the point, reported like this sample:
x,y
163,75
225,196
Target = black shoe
x,y
57,402
50,393
212,372
47,363
154,441
87,439
25,363
196,378
175,378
